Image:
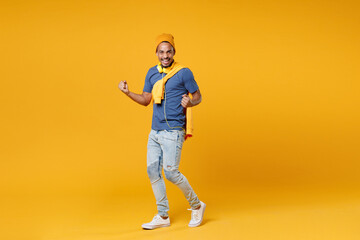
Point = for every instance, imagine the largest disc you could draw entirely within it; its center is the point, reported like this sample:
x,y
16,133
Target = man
x,y
168,84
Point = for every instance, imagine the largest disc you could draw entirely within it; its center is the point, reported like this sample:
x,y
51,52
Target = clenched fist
x,y
186,101
124,87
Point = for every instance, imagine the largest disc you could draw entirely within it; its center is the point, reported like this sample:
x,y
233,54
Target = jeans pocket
x,y
180,139
170,135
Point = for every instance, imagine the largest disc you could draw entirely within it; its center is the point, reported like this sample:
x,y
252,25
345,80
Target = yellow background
x,y
279,118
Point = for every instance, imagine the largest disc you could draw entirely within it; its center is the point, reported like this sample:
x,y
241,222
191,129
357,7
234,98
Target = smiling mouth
x,y
165,62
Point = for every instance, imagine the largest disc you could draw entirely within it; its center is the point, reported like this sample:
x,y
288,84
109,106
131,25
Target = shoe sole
x,y
154,227
198,224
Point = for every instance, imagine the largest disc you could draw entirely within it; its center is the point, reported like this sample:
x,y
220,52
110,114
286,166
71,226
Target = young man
x,y
168,84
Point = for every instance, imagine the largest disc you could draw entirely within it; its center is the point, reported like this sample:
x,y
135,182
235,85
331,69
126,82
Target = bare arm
x,y
187,102
143,99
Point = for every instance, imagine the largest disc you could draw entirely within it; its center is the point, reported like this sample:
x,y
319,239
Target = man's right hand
x,y
124,87
143,99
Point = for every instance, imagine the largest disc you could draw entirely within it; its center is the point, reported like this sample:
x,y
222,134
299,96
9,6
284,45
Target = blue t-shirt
x,y
179,84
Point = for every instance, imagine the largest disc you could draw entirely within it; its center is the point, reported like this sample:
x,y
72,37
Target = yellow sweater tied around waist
x,y
159,89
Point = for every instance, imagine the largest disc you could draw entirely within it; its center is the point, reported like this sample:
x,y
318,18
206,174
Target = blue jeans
x,y
164,149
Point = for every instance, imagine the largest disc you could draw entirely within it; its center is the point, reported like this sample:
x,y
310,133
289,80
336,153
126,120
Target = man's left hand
x,y
186,101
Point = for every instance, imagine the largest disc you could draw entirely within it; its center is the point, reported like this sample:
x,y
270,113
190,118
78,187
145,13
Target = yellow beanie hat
x,y
165,37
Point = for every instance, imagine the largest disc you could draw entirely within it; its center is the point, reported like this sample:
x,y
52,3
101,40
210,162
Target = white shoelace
x,y
195,214
158,218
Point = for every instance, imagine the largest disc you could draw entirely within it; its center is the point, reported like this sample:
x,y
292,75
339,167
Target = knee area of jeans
x,y
153,172
172,175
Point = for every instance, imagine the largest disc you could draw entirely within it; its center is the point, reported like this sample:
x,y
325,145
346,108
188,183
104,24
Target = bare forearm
x,y
186,101
138,98
143,99
196,100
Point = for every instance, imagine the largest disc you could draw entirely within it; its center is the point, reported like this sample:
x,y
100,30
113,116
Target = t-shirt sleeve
x,y
189,81
147,86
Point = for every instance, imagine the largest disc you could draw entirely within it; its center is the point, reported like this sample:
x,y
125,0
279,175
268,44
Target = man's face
x,y
165,53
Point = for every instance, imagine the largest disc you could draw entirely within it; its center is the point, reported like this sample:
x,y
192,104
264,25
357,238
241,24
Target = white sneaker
x,y
157,222
197,215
